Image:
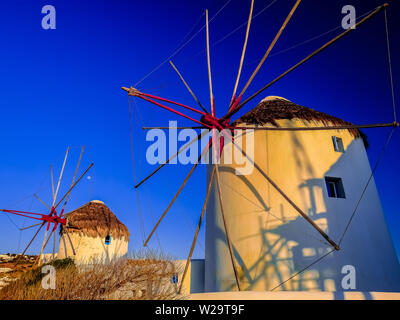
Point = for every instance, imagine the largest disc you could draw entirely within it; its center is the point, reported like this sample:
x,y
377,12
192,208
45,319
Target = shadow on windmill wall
x,y
294,244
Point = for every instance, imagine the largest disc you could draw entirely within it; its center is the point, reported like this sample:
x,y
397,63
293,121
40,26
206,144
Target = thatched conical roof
x,y
275,108
95,219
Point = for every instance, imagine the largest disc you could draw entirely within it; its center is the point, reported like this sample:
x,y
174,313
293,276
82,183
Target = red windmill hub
x,y
51,218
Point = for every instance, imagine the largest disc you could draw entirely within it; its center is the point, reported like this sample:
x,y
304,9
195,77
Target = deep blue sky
x,y
61,88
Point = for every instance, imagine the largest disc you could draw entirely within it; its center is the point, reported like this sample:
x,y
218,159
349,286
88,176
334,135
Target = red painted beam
x,y
174,111
170,101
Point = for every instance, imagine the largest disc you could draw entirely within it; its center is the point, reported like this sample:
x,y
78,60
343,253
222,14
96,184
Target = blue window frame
x,y
108,240
174,279
335,187
338,144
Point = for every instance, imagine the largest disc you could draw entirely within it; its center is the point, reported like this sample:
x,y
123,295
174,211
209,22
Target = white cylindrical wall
x,y
91,249
272,242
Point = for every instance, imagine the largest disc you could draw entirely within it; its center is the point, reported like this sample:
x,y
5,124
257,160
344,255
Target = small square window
x,y
334,187
338,144
174,279
108,240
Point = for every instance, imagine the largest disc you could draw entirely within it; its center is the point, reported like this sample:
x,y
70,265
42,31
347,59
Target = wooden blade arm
x,y
70,241
29,244
74,185
209,67
342,127
197,230
73,180
243,53
172,157
188,88
34,225
271,46
177,193
231,253
234,111
60,177
37,197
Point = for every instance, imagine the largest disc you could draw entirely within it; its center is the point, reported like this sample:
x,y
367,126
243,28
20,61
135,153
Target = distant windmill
x,y
209,120
55,217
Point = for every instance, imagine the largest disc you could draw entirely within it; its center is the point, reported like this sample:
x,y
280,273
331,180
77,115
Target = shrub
x,y
145,277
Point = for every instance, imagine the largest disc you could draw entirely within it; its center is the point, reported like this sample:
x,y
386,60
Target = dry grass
x,y
143,278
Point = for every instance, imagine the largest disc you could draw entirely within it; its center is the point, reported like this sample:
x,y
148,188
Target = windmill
x,y
209,120
55,216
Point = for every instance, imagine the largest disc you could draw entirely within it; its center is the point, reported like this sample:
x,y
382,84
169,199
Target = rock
x,y
5,281
6,257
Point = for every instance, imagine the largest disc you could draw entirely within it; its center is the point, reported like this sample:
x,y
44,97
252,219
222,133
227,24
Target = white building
x,y
324,173
93,234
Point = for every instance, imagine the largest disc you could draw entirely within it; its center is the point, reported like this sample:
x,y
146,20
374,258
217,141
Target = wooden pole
x,y
197,230
52,181
73,186
136,93
234,111
34,225
243,54
271,46
74,177
343,127
44,245
174,128
172,110
231,253
170,158
187,87
59,179
29,244
209,67
37,197
54,246
70,241
176,195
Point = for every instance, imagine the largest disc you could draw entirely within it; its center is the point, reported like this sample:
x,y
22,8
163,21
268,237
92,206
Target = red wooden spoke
x,y
23,215
173,110
26,212
170,101
49,218
235,104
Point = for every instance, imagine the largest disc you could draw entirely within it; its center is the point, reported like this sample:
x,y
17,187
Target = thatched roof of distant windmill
x,y
95,219
275,108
